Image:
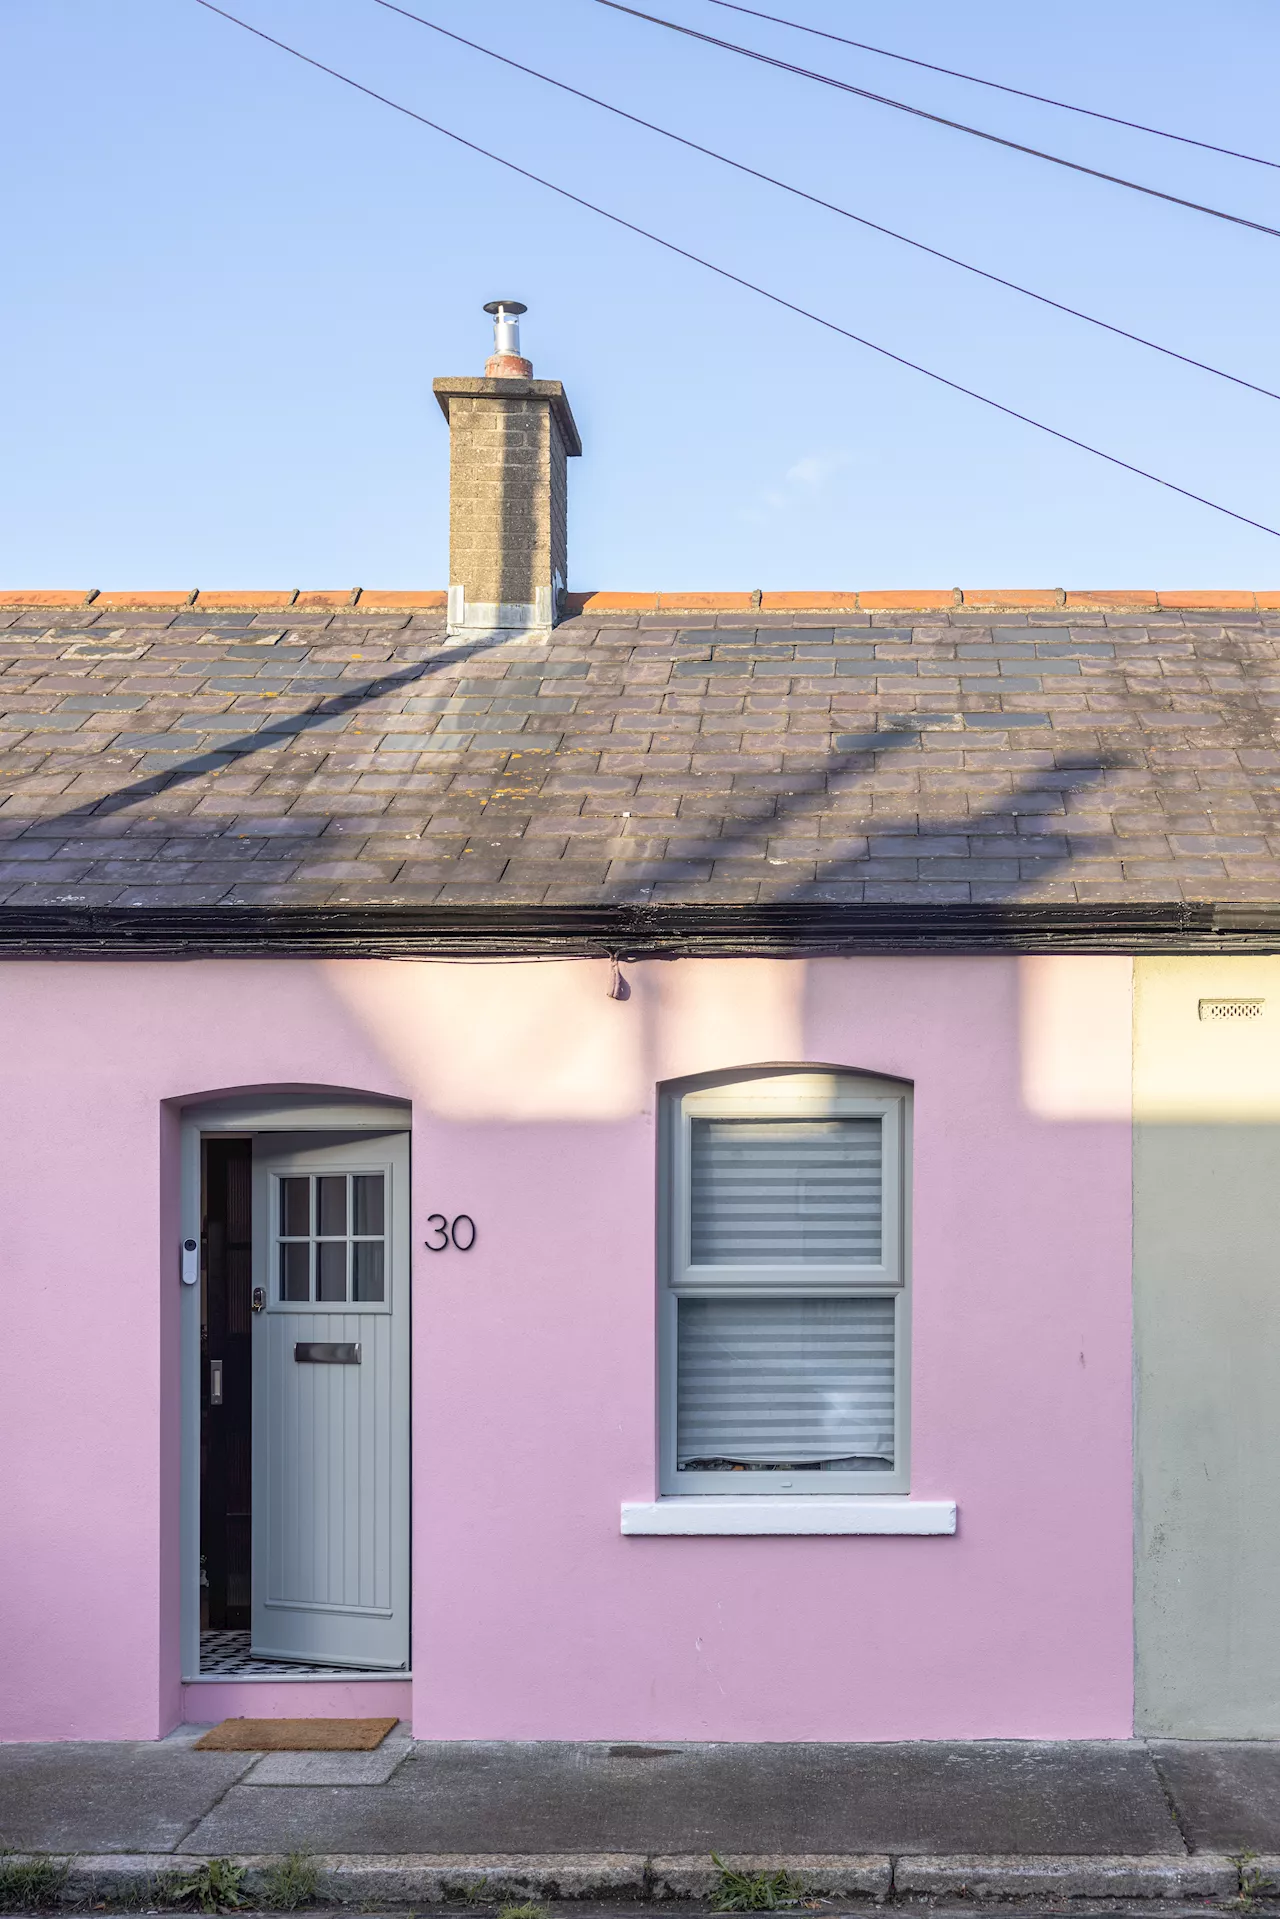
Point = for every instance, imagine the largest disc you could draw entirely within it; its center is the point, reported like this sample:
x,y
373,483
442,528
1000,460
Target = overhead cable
x,y
724,273
939,119
998,86
829,206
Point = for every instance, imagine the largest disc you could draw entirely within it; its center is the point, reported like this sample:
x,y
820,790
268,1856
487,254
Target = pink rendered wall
x,y
207,1703
534,1100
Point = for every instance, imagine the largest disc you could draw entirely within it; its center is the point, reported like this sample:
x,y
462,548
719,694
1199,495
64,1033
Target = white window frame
x,y
368,1162
784,1093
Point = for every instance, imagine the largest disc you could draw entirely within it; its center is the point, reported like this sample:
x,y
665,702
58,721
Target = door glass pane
x,y
785,1385
295,1263
331,1192
295,1207
367,1271
367,1206
331,1269
769,1192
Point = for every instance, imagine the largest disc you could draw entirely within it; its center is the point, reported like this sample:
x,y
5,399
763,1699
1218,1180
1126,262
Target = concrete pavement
x,y
420,1822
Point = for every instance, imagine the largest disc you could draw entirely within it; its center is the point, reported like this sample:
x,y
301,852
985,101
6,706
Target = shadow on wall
x,y
1206,1290
1206,1280
580,1057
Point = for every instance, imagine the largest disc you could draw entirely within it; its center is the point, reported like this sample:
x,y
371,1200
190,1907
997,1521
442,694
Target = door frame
x,y
318,1112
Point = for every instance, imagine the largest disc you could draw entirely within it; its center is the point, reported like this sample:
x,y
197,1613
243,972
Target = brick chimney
x,y
509,438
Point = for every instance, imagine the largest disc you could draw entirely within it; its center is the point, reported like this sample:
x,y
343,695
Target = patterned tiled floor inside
x,y
226,1655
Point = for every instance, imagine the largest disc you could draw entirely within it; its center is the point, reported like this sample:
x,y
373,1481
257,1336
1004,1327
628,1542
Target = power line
x,y
830,206
736,279
952,73
958,126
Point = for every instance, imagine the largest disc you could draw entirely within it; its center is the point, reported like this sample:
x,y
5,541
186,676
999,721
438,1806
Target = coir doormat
x,y
295,1735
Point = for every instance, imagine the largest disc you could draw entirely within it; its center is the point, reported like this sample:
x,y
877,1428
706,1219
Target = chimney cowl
x,y
506,362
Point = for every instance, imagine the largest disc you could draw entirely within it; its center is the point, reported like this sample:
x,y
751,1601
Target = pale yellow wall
x,y
1207,1350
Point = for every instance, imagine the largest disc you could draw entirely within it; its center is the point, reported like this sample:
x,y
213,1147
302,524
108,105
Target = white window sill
x,y
881,1513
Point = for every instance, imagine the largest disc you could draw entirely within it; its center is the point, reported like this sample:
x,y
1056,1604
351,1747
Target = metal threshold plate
x,y
327,1352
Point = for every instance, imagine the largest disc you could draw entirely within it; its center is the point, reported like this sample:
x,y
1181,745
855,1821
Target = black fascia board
x,y
793,929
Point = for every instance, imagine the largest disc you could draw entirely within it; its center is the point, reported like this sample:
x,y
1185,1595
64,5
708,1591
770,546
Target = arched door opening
x,y
296,1377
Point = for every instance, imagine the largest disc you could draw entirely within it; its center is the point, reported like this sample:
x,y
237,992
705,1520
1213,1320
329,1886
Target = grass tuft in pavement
x,y
292,1882
29,1885
755,1891
212,1887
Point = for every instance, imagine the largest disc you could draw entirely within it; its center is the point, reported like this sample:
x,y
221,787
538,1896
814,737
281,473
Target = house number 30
x,y
460,1232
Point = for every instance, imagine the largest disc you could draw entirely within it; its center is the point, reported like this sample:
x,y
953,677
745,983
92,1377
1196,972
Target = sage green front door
x,y
331,1399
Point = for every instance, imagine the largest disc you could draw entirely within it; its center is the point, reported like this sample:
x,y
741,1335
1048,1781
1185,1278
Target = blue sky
x,y
230,280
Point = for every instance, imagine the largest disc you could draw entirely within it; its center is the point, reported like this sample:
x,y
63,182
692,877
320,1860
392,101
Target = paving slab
x,y
332,1768
1227,1791
124,1797
545,1797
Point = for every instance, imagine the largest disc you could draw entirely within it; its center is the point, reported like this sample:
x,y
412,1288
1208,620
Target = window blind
x,y
773,1382
768,1192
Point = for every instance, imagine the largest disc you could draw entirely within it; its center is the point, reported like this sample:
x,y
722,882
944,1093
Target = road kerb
x,y
376,1880
974,1876
694,1876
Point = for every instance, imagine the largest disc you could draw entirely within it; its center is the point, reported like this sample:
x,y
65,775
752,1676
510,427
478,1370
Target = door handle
x,y
215,1382
259,1301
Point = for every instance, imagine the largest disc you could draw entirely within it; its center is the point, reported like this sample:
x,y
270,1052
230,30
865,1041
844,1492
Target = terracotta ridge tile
x,y
402,600
927,600
1105,599
57,596
226,598
833,602
1002,599
124,602
373,599
610,603
930,599
707,602
1233,601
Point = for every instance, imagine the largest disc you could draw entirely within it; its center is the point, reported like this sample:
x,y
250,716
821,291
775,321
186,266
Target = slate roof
x,y
333,757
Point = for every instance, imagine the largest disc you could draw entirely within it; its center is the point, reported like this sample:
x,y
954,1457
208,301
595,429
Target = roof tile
x,y
355,755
